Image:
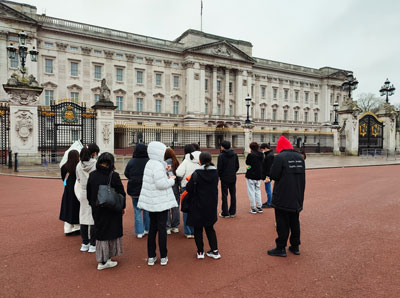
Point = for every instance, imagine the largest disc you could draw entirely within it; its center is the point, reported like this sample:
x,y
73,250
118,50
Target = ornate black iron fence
x,y
370,134
62,123
4,132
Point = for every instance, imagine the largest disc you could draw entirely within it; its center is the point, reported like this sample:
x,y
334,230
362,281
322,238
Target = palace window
x,y
139,104
48,44
49,96
332,99
286,94
206,108
75,49
219,109
14,61
262,92
296,115
97,52
176,82
120,74
306,97
263,113
285,115
75,96
139,77
274,114
275,92
176,107
120,103
96,98
218,85
97,71
230,87
158,79
74,69
316,98
48,65
230,110
315,117
158,106
305,116
206,84
296,95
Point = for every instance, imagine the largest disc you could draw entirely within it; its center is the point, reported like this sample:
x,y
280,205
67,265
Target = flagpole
x,y
201,17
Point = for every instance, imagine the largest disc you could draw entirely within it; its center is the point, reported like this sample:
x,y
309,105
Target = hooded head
x,y
283,143
156,151
140,151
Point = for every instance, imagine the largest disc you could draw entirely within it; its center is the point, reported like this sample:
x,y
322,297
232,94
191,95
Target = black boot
x,y
277,252
295,249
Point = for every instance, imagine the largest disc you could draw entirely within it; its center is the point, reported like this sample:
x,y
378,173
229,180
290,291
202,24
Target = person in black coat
x,y
107,221
228,165
288,172
70,205
266,168
134,172
203,191
253,177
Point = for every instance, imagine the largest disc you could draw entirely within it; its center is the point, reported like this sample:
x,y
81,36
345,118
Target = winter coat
x,y
69,204
203,188
156,194
288,172
175,187
188,166
254,160
83,169
107,221
135,168
267,163
228,165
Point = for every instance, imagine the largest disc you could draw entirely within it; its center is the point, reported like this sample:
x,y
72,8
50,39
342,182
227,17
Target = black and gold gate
x,y
4,133
61,124
370,132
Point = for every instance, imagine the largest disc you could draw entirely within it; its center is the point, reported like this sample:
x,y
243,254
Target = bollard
x,y
15,162
9,159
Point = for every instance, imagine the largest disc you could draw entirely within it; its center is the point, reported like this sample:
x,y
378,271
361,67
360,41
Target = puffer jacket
x,y
134,170
156,194
83,169
188,166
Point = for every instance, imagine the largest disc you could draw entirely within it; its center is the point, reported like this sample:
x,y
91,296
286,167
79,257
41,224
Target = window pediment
x,y
139,94
74,87
158,95
119,91
49,85
176,97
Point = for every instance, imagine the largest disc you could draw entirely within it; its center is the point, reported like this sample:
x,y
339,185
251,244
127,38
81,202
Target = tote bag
x,y
107,197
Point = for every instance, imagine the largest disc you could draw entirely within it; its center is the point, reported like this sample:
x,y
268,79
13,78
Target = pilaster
x,y
214,91
226,101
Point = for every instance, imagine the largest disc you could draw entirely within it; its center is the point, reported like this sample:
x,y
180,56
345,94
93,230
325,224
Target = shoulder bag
x,y
187,200
107,197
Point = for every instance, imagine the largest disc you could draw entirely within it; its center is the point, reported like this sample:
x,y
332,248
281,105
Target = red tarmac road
x,y
350,246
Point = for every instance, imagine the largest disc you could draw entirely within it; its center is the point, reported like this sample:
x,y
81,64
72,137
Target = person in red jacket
x,y
288,172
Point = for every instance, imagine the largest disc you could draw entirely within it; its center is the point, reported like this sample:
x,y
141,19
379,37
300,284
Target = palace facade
x,y
197,80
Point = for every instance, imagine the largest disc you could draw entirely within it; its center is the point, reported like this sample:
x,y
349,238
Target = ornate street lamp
x,y
22,50
248,100
335,109
387,90
350,84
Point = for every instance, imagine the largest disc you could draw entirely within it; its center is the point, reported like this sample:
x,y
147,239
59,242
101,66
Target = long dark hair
x,y
189,149
169,153
105,161
73,160
93,148
85,154
206,159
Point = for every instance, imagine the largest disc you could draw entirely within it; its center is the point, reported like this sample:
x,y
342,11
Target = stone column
x,y
190,88
149,103
227,91
130,79
3,63
336,140
86,67
239,95
61,71
248,136
324,102
202,88
167,103
214,92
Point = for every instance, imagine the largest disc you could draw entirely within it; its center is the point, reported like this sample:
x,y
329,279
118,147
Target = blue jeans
x,y
141,223
188,230
269,193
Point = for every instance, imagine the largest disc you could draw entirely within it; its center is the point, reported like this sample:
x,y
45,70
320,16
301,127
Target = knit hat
x,y
283,143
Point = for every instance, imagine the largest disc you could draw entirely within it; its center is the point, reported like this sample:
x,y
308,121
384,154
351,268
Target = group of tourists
x,y
158,184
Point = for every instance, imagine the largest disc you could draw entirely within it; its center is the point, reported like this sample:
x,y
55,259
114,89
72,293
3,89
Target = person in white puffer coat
x,y
157,197
189,164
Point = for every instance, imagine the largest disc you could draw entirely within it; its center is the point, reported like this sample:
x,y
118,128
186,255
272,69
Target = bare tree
x,y
369,102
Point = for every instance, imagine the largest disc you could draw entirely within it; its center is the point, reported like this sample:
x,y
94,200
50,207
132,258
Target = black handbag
x,y
107,197
187,200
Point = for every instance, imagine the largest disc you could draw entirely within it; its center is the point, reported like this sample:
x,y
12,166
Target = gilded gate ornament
x,y
68,114
375,130
363,129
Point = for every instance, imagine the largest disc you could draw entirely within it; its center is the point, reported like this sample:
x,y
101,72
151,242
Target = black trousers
x,y
231,186
211,236
287,222
85,234
158,223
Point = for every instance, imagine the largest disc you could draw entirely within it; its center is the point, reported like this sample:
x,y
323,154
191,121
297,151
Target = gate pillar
x,y
336,140
388,115
348,119
105,120
23,96
248,136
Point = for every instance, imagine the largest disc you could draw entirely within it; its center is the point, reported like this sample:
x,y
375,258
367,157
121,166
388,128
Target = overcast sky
x,y
358,35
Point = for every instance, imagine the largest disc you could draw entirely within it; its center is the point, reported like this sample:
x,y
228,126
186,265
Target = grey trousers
x,y
253,189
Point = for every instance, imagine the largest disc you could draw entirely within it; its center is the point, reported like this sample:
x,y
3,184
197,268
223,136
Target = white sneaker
x,y
164,261
145,232
175,230
151,261
108,264
140,236
168,231
92,248
213,254
85,247
200,255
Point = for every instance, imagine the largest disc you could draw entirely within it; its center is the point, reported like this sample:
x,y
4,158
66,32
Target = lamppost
x,y
350,84
387,90
248,100
335,109
22,51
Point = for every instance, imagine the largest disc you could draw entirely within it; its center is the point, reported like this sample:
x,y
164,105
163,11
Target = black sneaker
x,y
295,249
277,252
266,205
253,211
213,254
223,215
259,210
232,215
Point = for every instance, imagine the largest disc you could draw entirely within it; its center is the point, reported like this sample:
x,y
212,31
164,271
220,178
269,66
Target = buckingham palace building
x,y
195,85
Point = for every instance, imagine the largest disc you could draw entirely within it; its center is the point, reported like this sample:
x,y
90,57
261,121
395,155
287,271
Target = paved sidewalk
x,y
313,161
